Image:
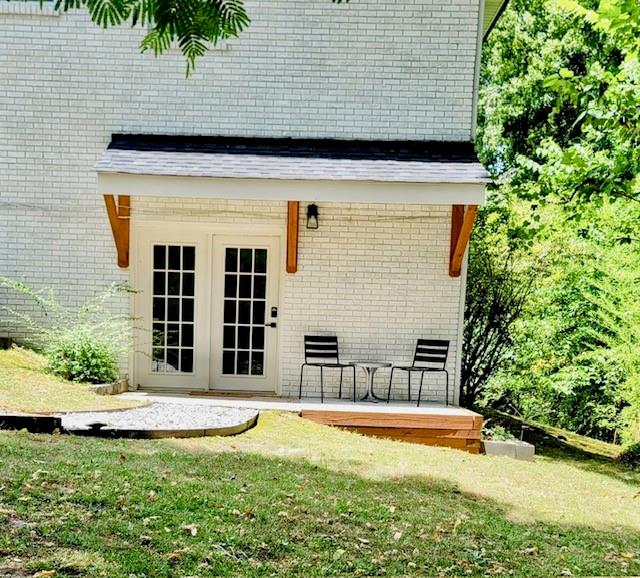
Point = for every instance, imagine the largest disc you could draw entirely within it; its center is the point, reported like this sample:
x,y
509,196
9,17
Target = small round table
x,y
370,368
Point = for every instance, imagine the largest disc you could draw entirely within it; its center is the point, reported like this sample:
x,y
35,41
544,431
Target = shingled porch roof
x,y
281,168
293,159
292,170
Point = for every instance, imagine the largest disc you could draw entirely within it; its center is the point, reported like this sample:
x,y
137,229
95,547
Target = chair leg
x,y
409,385
446,391
390,382
420,390
340,390
301,371
321,386
354,384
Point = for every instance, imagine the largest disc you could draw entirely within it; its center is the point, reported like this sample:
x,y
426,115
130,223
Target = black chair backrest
x,y
431,353
320,349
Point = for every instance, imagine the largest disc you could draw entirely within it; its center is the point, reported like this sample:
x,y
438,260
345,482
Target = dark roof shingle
x,y
299,159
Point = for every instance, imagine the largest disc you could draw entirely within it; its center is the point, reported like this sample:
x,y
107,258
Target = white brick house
x,y
365,109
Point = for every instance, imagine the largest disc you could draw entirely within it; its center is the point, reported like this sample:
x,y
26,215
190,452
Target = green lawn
x,y
25,386
293,498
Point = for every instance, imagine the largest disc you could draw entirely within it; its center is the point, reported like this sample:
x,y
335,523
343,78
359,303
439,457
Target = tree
x,y
193,24
559,128
495,298
561,99
604,159
568,363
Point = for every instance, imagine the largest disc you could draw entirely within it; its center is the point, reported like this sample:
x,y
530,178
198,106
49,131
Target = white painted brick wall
x,y
369,69
375,275
366,69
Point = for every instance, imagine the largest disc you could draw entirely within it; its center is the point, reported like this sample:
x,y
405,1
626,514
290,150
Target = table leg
x,y
369,395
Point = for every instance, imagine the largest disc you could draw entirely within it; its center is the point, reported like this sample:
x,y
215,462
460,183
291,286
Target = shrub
x,y
83,358
498,433
81,344
631,456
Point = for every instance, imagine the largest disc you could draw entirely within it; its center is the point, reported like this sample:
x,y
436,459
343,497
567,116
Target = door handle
x,y
272,324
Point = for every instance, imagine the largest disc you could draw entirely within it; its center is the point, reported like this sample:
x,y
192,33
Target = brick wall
x,y
366,69
369,69
375,275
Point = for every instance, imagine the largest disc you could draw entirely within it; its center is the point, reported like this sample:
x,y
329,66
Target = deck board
x,y
392,420
437,426
403,432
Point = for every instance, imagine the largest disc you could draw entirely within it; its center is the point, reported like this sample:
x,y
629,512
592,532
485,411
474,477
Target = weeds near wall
x,y
81,344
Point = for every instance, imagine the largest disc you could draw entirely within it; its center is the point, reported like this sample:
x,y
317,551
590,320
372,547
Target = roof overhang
x,y
493,9
286,169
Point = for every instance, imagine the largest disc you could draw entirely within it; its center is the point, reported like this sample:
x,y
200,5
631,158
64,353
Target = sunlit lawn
x,y
293,498
25,386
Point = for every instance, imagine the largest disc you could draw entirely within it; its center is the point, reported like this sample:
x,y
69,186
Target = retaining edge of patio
x,y
49,424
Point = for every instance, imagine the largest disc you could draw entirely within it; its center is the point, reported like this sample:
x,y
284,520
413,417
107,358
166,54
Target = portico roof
x,y
276,168
293,159
292,170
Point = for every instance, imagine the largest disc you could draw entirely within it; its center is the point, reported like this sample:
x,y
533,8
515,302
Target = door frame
x,y
184,232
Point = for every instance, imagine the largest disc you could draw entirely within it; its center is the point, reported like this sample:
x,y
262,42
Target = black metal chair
x,y
430,357
322,351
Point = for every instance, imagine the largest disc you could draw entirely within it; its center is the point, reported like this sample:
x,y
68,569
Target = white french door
x,y
207,310
245,313
171,278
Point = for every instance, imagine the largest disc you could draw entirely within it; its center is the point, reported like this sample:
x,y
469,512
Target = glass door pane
x,y
173,303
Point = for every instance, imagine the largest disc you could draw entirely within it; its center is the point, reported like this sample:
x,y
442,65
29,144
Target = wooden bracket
x,y
461,227
119,218
293,210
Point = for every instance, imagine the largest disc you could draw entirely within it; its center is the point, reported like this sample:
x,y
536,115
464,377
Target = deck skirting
x,y
459,430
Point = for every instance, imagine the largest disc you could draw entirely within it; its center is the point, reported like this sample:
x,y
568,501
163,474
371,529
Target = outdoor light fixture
x,y
312,216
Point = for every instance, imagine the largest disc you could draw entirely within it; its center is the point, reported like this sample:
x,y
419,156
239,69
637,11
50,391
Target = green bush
x,y
82,358
498,433
631,456
81,344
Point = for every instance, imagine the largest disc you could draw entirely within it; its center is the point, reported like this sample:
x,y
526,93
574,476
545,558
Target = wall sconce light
x,y
312,216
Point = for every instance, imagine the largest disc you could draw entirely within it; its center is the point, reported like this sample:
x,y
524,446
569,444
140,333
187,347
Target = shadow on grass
x,y
579,451
121,507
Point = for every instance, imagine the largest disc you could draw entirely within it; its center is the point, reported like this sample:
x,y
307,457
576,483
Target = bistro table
x,y
370,368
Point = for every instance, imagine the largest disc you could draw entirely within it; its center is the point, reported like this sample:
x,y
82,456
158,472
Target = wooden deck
x,y
430,424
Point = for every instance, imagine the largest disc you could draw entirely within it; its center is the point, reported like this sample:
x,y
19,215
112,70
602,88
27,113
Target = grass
x,y
553,439
25,386
293,498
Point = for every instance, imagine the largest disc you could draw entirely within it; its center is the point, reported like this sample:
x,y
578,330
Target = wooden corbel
x,y
119,217
461,227
293,210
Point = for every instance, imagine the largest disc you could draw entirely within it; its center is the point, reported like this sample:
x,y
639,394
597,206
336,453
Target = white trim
x,y
134,266
202,234
261,230
286,190
476,78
